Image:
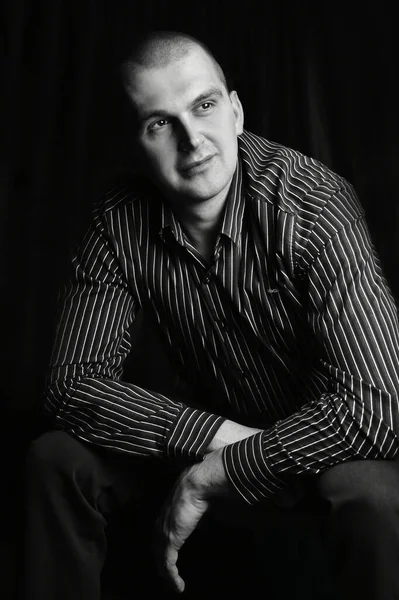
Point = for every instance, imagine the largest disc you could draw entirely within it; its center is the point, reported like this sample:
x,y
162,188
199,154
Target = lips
x,y
197,164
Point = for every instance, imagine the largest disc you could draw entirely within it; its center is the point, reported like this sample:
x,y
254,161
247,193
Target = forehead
x,y
171,86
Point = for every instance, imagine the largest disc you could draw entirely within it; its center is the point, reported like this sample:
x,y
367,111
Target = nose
x,y
189,136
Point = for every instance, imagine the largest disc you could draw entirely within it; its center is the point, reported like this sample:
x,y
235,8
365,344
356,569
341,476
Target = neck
x,y
201,223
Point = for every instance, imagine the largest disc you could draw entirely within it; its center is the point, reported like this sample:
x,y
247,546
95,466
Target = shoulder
x,y
294,182
123,191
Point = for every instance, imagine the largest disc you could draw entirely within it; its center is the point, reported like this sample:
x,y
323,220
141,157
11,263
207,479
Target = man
x,y
255,265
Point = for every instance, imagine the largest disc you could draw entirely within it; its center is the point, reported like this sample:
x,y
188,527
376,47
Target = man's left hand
x,y
186,505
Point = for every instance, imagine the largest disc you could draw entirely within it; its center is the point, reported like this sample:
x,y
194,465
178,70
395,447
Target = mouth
x,y
197,166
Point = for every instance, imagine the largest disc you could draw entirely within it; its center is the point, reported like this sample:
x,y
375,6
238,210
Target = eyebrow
x,y
213,91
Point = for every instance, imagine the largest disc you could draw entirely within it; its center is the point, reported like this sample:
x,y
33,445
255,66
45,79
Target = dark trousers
x,y
72,490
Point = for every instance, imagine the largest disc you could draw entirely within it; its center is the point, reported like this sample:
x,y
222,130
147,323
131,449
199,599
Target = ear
x,y
238,112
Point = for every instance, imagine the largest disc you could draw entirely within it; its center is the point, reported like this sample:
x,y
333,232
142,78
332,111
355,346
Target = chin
x,y
206,191
198,198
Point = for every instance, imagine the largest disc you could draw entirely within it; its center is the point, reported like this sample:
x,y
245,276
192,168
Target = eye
x,y
206,105
159,124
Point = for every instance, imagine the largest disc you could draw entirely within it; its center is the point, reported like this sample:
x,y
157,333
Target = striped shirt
x,y
291,327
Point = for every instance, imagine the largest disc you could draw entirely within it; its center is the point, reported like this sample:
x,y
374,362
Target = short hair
x,y
159,48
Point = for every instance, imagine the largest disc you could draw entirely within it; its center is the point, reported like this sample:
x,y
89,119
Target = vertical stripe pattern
x,y
291,327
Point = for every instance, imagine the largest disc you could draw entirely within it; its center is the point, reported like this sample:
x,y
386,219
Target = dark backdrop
x,y
315,76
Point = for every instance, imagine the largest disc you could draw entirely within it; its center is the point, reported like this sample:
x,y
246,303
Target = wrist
x,y
228,433
208,478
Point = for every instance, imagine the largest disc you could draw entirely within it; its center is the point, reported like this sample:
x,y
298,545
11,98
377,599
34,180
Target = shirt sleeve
x,y
84,391
353,317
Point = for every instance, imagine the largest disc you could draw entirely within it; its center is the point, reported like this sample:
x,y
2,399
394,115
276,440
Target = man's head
x,y
187,120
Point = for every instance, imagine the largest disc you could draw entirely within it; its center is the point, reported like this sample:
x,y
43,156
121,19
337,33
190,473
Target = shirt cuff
x,y
192,434
248,468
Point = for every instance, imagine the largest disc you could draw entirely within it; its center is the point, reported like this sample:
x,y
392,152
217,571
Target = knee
x,y
56,454
362,487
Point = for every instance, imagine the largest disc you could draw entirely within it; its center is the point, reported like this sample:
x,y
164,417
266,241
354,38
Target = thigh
x,y
273,550
109,480
371,482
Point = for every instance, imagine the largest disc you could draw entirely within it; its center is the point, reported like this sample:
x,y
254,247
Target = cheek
x,y
154,158
230,142
160,165
228,132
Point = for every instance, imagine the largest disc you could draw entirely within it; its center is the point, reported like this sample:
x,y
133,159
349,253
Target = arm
x,y
84,394
352,316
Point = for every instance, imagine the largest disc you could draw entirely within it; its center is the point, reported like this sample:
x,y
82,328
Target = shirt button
x,y
223,324
245,373
206,279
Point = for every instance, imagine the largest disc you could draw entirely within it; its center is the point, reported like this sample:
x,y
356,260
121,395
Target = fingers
x,y
172,572
180,516
166,555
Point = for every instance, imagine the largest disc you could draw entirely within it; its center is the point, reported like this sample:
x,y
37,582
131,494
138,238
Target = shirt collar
x,y
234,209
257,155
170,225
